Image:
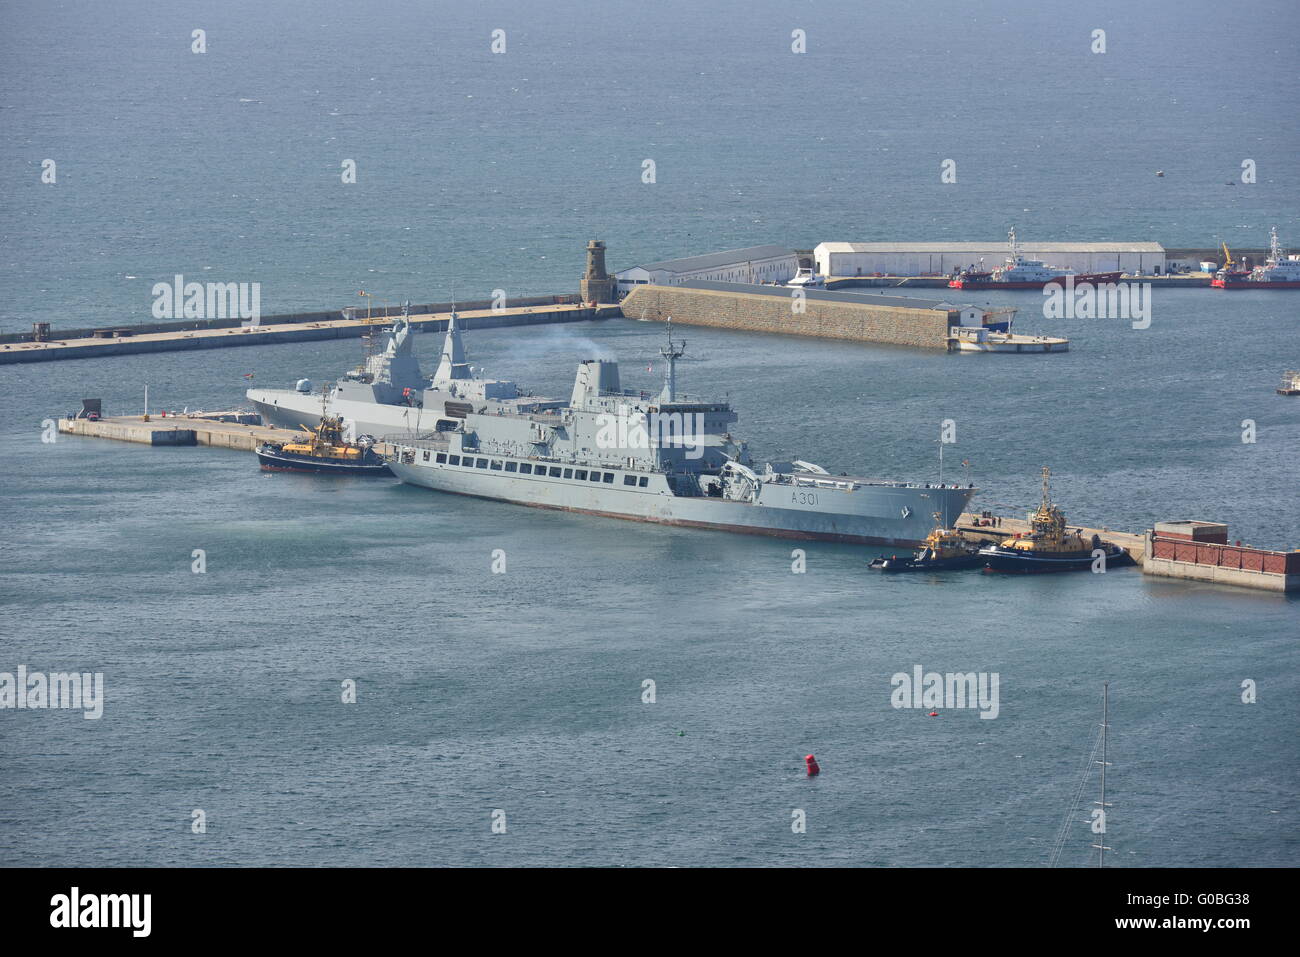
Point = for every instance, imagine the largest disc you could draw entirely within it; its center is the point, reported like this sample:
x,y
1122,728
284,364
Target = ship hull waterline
x,y
704,512
1253,284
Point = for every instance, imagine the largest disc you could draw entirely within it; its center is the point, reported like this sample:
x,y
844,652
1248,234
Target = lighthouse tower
x,y
596,285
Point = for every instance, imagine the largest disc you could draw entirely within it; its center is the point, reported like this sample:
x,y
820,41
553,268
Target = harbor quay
x,y
240,431
859,317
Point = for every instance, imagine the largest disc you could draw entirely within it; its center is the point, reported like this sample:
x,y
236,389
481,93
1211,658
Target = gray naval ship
x,y
387,393
667,458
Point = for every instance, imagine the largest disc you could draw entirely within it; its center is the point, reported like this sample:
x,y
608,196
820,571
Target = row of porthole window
x,y
527,468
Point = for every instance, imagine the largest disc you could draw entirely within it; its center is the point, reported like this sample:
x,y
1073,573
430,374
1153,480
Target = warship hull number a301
x,y
666,458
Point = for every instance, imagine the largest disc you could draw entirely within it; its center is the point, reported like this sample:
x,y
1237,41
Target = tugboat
x,y
1050,546
324,450
945,549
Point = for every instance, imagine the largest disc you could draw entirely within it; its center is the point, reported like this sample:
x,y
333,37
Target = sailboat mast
x,y
1105,724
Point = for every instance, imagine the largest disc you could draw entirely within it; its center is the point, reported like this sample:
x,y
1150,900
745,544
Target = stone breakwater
x,y
920,327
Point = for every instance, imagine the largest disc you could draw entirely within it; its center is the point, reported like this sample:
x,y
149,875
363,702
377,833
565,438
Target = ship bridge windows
x,y
643,481
442,458
580,475
609,478
496,465
629,479
426,456
512,466
453,460
555,471
568,473
481,464
525,468
595,476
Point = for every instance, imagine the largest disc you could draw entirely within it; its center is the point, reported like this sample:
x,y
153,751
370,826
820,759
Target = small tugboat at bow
x,y
945,549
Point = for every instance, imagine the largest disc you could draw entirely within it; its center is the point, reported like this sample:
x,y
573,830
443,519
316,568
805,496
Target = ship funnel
x,y
595,377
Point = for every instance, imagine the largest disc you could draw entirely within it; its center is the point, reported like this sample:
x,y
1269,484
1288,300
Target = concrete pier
x,y
176,430
214,338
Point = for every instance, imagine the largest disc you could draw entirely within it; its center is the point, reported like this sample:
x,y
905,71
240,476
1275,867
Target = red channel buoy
x,y
813,768
933,714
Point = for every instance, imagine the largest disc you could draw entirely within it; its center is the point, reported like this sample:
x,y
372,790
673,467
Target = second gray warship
x,y
666,458
388,393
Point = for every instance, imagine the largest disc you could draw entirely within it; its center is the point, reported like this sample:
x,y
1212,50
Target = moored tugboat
x,y
945,549
324,450
1050,546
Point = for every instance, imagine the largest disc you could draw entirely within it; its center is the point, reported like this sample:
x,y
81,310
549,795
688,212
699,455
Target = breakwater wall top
x,y
283,319
905,322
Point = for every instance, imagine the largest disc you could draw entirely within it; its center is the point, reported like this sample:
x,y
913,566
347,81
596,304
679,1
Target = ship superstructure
x,y
664,457
388,393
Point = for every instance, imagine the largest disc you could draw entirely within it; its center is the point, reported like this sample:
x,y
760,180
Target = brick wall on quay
x,y
924,328
1240,557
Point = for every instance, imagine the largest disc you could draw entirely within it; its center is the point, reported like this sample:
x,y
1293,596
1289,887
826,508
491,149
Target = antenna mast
x,y
671,353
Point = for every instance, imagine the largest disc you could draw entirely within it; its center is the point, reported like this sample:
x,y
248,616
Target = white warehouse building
x,y
754,264
942,259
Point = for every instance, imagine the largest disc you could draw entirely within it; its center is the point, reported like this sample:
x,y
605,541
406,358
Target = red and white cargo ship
x,y
1021,273
1279,271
